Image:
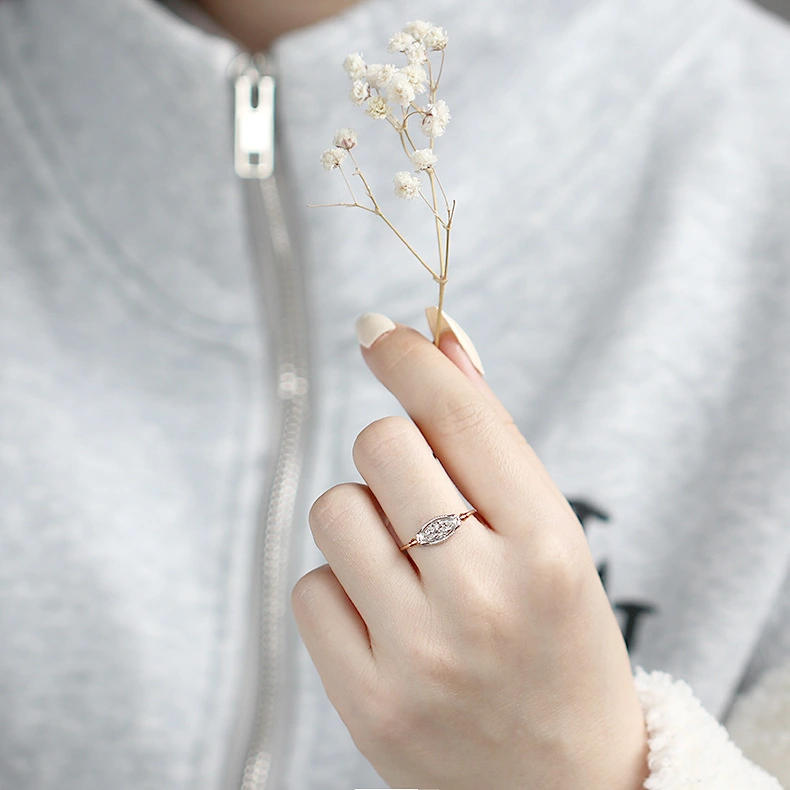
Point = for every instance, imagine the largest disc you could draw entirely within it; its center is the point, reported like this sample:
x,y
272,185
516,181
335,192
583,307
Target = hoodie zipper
x,y
282,300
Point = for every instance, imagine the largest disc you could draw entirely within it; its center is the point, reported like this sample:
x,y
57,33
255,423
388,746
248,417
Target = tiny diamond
x,y
438,529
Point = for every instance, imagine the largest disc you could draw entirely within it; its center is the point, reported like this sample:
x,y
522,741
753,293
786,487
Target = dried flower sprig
x,y
389,93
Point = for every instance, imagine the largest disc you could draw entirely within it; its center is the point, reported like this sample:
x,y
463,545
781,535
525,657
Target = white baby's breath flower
x,y
355,66
388,92
359,93
332,158
400,89
345,138
416,54
378,107
435,119
400,42
379,74
417,77
407,186
418,29
435,38
423,158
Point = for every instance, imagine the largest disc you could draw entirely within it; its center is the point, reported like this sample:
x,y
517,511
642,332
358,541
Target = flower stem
x,y
444,194
442,255
408,137
348,184
427,203
358,172
443,281
411,249
342,205
439,307
441,69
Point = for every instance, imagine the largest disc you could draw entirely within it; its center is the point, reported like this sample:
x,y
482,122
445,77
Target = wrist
x,y
623,763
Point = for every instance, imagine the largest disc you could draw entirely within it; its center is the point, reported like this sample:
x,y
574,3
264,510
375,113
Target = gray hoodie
x,y
621,259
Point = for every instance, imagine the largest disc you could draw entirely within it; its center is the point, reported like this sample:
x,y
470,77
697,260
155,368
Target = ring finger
x,y
412,487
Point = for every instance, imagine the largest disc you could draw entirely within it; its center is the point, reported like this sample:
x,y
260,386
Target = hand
x,y
492,660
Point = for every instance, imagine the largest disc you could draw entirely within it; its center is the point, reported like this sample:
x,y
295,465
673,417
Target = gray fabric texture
x,y
621,259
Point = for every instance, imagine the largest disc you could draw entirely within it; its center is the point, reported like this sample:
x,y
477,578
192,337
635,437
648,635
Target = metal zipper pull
x,y
254,109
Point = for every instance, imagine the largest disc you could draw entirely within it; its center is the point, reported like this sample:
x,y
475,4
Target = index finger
x,y
490,462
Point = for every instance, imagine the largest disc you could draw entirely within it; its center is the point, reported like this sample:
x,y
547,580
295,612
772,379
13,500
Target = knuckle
x,y
419,655
431,660
383,731
381,719
335,506
557,569
304,591
405,356
300,594
459,415
491,618
381,440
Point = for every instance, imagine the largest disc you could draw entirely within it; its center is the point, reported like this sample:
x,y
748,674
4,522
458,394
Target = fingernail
x,y
449,325
371,326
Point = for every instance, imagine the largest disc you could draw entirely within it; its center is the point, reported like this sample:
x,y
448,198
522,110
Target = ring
x,y
438,529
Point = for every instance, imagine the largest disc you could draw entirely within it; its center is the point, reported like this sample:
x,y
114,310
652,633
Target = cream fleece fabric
x,y
760,723
689,748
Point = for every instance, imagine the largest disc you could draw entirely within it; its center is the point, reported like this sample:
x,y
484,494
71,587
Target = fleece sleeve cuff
x,y
688,748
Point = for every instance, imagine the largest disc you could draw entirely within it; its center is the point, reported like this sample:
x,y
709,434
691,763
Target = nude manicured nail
x,y
371,326
449,325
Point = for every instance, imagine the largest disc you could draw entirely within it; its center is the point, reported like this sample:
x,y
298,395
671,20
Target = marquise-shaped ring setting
x,y
438,529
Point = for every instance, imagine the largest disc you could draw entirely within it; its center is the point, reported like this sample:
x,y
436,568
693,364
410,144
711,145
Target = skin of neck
x,y
257,23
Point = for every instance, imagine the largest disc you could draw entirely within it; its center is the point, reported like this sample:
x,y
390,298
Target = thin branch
x,y
358,172
377,210
408,137
440,305
442,264
448,227
411,249
348,184
437,278
443,281
442,256
444,195
441,69
433,211
403,143
344,205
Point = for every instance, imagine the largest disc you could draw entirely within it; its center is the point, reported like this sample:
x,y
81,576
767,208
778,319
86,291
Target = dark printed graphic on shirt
x,y
630,614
